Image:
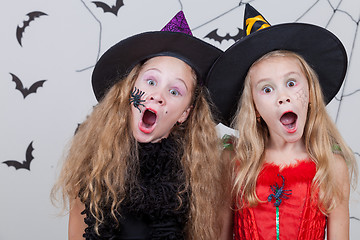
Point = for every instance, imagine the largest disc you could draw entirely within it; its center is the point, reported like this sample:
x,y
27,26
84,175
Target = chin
x,y
295,138
141,137
146,138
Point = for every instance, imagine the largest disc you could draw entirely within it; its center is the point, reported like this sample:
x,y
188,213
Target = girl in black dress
x,y
146,163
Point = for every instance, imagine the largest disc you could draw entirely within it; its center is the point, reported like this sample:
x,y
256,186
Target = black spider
x,y
135,98
279,193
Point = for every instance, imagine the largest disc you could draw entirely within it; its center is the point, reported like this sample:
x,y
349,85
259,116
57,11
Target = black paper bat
x,y
25,91
20,30
214,35
24,164
106,8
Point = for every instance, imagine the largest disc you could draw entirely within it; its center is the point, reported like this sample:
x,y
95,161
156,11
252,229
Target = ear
x,y
257,113
184,115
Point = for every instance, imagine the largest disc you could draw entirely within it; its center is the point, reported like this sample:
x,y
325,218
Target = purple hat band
x,y
178,24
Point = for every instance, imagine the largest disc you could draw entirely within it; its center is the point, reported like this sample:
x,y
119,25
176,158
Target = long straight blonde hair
x,y
103,155
320,137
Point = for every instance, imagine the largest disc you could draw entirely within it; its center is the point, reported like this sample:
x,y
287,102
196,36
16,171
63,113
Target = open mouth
x,y
147,124
289,120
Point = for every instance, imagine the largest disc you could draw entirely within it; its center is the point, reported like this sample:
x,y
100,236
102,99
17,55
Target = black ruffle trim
x,y
160,202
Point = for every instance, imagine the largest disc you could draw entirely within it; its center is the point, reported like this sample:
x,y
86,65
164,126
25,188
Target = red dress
x,y
298,216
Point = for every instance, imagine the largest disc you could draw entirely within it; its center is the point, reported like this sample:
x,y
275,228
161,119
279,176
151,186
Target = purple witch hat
x,y
175,40
178,24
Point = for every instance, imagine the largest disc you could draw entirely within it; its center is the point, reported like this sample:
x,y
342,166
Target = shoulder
x,y
339,166
340,173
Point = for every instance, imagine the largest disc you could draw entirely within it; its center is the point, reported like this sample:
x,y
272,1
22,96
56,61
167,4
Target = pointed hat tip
x,y
178,24
253,20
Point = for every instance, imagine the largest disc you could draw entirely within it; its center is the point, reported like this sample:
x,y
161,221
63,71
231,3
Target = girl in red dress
x,y
292,167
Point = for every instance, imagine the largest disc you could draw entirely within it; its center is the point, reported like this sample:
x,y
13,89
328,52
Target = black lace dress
x,y
158,208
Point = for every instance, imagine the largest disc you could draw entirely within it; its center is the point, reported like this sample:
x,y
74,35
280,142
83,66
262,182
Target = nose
x,y
284,98
157,98
281,101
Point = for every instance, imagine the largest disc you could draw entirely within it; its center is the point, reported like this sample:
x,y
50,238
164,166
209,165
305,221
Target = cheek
x,y
260,102
303,96
133,117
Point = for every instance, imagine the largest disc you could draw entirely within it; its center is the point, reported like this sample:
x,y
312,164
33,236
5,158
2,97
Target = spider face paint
x,y
135,98
303,97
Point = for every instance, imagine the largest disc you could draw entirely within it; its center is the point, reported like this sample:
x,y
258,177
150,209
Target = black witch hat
x,y
175,39
322,50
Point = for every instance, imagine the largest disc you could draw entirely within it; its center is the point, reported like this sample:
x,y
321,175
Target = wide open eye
x,y
151,82
174,92
291,83
267,89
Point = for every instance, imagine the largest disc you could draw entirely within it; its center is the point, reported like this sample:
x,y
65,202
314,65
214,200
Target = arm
x,y
226,211
338,220
76,220
227,224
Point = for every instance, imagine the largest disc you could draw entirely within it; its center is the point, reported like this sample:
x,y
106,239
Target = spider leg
x,y
137,106
277,202
270,197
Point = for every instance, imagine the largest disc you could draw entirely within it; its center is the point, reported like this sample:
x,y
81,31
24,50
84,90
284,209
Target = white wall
x,y
62,48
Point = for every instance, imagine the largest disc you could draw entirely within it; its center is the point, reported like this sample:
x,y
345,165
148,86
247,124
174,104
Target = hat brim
x,y
118,61
322,50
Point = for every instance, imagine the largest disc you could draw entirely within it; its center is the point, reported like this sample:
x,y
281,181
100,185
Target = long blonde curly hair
x,y
320,137
103,152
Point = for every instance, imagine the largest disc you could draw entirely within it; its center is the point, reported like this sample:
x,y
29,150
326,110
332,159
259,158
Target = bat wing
x,y
20,30
28,156
35,86
119,4
103,6
13,163
25,164
214,36
19,33
239,35
19,86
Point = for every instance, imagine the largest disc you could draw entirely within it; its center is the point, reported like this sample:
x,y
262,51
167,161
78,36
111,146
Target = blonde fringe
x,y
320,136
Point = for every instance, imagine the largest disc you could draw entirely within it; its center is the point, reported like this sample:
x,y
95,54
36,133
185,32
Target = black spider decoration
x,y
135,98
279,193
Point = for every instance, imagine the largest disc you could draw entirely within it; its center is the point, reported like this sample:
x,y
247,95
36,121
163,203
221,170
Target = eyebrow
x,y
291,73
179,79
284,76
183,83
